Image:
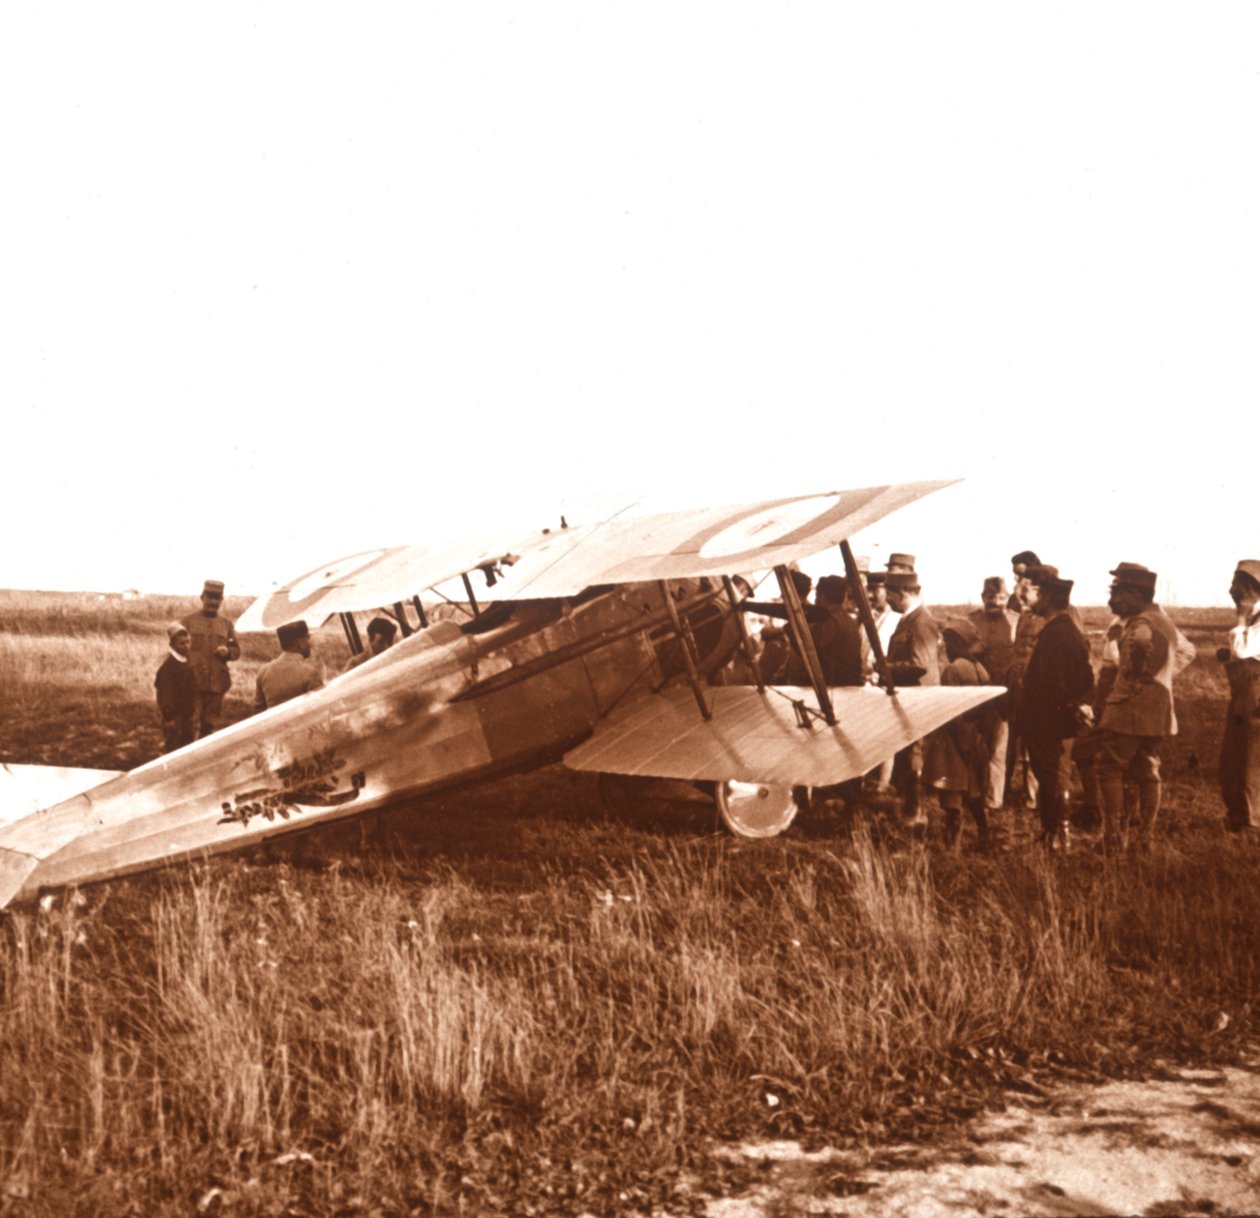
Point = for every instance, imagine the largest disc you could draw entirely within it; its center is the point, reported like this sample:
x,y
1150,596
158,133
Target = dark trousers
x,y
207,712
1240,747
1050,756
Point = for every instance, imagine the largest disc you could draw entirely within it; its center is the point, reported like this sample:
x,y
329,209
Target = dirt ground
x,y
1184,1143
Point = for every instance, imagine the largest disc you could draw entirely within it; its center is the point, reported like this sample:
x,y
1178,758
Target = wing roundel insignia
x,y
767,527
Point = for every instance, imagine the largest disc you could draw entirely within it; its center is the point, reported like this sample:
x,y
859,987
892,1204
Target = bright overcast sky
x,y
281,282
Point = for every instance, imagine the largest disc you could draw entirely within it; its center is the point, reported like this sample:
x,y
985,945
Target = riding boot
x,y
1114,812
978,814
1149,793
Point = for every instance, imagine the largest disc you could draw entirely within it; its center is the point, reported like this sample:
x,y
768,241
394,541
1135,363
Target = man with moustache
x,y
213,648
1056,687
1240,746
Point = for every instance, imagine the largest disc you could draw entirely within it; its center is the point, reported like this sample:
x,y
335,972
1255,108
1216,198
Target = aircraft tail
x,y
25,790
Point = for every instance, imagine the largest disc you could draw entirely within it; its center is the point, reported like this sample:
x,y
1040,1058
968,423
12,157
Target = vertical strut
x,y
352,632
420,613
745,643
863,602
805,642
472,597
683,631
401,614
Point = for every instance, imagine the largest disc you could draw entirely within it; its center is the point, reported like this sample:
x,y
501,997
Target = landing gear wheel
x,y
751,809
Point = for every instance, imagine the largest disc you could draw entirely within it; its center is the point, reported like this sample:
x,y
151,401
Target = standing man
x,y
1021,564
176,691
292,672
1055,703
995,631
913,659
1240,746
1138,711
214,647
886,620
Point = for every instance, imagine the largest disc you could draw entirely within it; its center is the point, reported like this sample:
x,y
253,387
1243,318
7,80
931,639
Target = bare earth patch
x,y
1187,1143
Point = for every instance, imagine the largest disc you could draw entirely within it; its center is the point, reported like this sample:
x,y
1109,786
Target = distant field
x,y
509,1001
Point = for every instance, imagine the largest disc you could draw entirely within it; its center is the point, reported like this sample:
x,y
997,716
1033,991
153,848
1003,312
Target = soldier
x,y
1240,747
1138,712
1056,688
380,636
1086,750
177,691
995,631
912,660
214,647
958,754
886,619
292,672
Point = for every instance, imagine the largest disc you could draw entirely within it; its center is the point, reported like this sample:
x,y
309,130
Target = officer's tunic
x,y
1240,746
287,676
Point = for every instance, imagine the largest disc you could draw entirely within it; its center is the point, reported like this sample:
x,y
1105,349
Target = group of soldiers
x,y
1056,712
194,675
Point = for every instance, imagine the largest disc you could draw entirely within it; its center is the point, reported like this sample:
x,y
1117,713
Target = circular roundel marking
x,y
766,527
326,577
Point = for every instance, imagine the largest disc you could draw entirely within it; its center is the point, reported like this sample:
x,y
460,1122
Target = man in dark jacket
x,y
177,691
1055,705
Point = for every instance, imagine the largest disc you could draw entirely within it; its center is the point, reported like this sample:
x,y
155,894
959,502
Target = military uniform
x,y
913,659
1240,745
1057,681
210,670
287,676
997,652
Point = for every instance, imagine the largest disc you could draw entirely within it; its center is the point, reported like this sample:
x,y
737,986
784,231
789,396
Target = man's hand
x,y
222,652
1086,715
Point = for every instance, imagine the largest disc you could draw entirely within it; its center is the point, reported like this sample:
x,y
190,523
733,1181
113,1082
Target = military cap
x,y
1249,566
995,583
1134,573
901,579
1025,558
213,587
964,629
875,578
290,632
863,564
174,628
1046,576
901,560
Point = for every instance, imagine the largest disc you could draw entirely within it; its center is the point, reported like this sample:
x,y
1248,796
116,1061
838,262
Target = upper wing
x,y
754,737
563,562
707,541
373,578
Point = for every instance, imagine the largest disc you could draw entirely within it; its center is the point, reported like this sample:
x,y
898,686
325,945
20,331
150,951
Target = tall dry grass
x,y
307,1037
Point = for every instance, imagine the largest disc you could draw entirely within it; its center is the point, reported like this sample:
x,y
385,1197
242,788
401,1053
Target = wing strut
x,y
685,637
863,602
745,643
804,643
350,626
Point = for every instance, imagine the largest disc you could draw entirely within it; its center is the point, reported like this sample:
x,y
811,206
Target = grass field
x,y
515,1003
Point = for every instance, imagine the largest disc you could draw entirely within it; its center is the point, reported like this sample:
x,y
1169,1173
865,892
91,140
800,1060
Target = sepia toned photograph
x,y
629,610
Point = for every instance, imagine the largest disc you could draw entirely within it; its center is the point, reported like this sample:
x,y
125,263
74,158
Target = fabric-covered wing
x,y
373,578
708,541
754,737
27,788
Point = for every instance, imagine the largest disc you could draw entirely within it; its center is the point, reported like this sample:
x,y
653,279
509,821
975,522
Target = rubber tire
x,y
757,809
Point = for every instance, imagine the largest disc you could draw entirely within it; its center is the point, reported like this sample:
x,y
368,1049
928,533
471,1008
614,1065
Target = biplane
x,y
596,644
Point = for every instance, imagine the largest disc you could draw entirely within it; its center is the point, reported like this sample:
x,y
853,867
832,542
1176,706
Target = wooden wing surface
x,y
756,737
